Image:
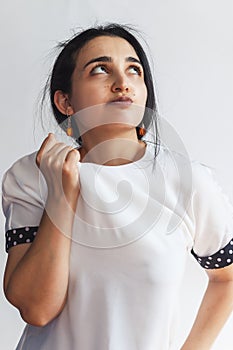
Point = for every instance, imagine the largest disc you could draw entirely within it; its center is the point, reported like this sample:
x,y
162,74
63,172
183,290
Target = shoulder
x,y
23,166
208,194
204,178
23,173
26,161
199,171
188,175
177,169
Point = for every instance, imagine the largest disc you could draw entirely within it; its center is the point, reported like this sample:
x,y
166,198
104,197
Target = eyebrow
x,y
109,59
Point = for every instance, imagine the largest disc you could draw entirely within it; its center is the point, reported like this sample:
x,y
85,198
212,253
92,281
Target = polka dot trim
x,y
222,258
20,235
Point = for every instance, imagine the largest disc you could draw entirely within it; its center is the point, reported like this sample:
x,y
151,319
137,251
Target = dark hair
x,y
61,76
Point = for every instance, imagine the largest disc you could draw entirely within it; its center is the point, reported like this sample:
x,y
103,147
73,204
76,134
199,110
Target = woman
x,y
91,263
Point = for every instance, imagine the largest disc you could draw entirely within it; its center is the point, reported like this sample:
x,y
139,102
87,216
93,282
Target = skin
x,y
215,308
93,88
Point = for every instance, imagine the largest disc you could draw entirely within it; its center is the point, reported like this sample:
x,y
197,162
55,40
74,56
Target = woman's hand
x,y
58,163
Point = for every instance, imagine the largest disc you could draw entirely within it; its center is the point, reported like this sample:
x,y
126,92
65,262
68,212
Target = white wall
x,y
191,45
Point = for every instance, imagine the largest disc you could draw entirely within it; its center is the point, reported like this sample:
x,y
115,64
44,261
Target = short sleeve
x,y
24,194
212,215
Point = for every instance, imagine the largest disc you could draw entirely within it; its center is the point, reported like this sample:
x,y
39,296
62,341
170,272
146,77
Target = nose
x,y
120,84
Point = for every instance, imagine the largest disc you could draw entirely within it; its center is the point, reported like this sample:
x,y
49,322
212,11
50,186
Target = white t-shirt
x,y
133,230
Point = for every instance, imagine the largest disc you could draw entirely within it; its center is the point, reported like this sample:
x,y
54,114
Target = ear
x,y
61,101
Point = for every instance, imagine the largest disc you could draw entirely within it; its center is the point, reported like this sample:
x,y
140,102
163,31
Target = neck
x,y
110,149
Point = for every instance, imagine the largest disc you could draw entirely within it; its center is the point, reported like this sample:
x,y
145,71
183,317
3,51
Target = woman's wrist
x,y
62,200
61,212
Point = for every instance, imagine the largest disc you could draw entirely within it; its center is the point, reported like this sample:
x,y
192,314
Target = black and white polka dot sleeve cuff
x,y
20,235
222,258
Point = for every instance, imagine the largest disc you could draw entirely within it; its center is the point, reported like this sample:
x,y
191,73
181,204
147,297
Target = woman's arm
x,y
216,306
36,275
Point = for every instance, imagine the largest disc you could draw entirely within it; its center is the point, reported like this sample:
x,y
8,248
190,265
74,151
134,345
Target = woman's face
x,y
108,68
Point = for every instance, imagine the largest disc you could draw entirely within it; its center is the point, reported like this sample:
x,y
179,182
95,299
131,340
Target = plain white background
x,y
191,46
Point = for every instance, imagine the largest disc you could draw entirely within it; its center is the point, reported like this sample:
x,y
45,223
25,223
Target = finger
x,y
48,142
54,158
58,152
73,156
50,139
70,167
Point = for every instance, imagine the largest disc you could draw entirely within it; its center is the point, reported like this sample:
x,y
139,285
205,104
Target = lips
x,y
122,101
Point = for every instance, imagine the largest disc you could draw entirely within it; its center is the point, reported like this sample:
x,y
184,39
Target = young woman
x,y
97,236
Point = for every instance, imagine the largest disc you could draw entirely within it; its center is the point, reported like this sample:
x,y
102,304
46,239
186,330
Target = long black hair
x,y
61,76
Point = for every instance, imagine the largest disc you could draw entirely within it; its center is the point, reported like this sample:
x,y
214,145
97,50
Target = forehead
x,y
112,46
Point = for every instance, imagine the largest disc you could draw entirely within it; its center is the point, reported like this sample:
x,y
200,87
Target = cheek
x,y
143,95
92,96
80,96
146,94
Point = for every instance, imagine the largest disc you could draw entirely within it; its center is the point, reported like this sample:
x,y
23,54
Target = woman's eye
x,y
99,70
135,70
